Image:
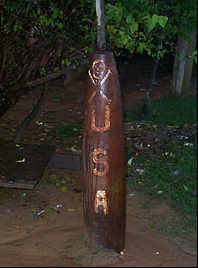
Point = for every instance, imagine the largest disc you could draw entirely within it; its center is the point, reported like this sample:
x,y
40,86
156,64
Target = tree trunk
x,y
183,64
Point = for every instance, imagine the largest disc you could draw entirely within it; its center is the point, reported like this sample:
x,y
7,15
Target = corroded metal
x,y
104,203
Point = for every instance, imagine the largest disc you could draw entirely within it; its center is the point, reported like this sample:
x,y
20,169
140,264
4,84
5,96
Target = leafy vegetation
x,y
163,165
135,31
38,42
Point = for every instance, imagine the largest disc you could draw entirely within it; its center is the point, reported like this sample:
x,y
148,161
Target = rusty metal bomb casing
x,y
104,165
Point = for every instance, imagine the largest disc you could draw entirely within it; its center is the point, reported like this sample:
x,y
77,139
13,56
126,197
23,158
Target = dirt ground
x,y
44,227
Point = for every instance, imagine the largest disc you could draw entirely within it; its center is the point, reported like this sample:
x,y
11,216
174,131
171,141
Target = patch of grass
x,y
171,176
170,110
70,135
174,179
67,131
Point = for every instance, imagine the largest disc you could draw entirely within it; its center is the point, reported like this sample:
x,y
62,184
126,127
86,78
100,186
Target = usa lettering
x,y
98,75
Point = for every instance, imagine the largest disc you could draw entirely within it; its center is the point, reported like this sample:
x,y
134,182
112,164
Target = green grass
x,y
70,135
67,131
172,175
167,111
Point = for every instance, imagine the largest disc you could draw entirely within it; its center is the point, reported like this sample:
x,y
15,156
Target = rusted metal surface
x,y
104,200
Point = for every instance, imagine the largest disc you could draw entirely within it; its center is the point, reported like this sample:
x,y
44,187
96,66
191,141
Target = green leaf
x,y
129,19
162,21
134,27
156,19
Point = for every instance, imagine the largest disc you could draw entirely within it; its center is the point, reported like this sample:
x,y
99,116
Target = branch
x,y
28,119
44,79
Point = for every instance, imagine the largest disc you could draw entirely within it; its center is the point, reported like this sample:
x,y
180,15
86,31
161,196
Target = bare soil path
x,y
44,227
